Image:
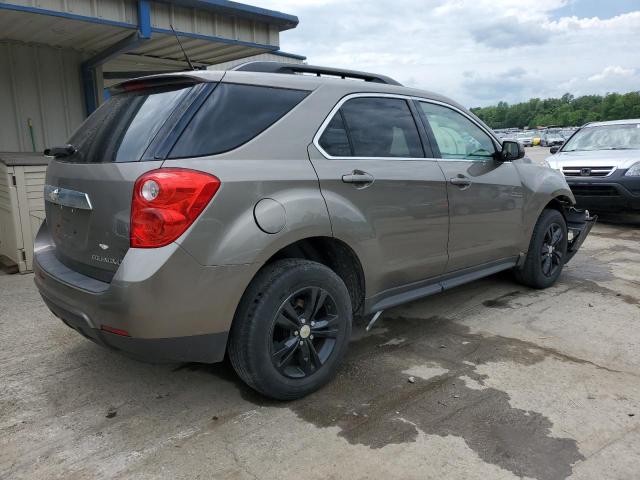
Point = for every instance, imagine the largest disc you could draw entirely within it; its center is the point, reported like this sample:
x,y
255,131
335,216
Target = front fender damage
x,y
579,224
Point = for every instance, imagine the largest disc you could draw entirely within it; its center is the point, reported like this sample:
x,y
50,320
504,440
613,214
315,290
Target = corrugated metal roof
x,y
283,20
198,49
208,38
59,32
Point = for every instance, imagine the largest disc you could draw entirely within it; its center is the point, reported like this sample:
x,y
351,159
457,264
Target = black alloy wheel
x,y
291,329
551,254
547,251
304,332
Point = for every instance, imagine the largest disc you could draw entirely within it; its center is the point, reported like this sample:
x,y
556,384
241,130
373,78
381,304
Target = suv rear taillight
x,y
166,202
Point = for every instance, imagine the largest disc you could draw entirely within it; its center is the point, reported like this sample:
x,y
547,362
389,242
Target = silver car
x,y
525,139
601,163
256,211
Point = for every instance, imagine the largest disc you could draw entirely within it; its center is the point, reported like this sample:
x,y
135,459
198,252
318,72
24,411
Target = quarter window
x,y
231,116
373,127
458,138
335,140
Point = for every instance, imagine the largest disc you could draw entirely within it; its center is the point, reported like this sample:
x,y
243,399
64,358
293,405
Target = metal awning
x,y
125,38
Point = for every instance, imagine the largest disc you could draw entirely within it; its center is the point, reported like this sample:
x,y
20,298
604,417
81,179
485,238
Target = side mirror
x,y
511,150
554,149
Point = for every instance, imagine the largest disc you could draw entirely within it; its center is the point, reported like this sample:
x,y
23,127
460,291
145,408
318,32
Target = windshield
x,y
605,137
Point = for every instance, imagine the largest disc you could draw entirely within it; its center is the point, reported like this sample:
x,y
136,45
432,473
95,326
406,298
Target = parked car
x,y
567,132
256,211
551,139
525,139
535,140
601,163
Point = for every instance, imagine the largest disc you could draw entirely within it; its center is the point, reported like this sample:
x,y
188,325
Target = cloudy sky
x,y
476,51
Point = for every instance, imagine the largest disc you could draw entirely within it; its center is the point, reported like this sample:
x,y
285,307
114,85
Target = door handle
x,y
358,177
460,181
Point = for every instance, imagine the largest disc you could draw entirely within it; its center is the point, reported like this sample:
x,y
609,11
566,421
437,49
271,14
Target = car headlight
x,y
634,171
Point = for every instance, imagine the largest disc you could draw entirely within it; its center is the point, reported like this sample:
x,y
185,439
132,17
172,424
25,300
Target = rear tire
x,y
547,251
291,329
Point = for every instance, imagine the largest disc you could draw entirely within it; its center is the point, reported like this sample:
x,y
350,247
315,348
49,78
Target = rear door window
x,y
122,128
231,116
373,127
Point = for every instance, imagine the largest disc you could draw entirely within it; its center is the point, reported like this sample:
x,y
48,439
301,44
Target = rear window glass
x,y
231,116
122,128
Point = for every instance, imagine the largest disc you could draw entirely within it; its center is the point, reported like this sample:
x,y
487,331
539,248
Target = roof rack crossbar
x,y
294,68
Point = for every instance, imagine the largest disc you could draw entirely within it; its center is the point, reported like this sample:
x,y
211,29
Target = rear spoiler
x,y
158,81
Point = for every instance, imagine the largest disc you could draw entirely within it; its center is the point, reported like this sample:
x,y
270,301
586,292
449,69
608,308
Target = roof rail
x,y
295,68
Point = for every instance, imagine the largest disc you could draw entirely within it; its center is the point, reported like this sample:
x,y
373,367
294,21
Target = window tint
x,y
334,139
232,115
380,127
457,136
124,126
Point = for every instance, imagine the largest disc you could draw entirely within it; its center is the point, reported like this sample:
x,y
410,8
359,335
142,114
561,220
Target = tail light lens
x,y
115,331
166,202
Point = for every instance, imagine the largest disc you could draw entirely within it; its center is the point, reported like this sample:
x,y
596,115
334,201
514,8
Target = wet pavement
x,y
508,382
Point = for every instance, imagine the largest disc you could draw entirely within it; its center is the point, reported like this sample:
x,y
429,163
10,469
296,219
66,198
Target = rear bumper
x,y
208,348
615,193
172,308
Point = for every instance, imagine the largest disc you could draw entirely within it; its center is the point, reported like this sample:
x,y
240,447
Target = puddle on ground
x,y
373,403
503,301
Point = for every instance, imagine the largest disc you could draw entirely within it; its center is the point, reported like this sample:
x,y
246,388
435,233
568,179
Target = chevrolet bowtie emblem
x,y
103,246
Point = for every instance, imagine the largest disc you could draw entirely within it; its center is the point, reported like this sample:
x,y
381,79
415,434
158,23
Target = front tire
x,y
547,251
292,329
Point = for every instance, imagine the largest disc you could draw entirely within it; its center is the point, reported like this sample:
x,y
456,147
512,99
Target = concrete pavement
x,y
509,383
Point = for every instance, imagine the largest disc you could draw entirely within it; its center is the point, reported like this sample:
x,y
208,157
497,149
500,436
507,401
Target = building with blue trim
x,y
57,58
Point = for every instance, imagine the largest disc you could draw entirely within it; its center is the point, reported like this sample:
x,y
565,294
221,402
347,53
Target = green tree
x,y
566,111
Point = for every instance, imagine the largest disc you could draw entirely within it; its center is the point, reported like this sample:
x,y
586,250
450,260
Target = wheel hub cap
x,y
305,331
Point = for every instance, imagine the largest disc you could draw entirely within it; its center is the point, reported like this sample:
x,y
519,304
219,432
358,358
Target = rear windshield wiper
x,y
62,151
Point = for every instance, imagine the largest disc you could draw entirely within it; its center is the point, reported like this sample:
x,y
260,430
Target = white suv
x,y
601,162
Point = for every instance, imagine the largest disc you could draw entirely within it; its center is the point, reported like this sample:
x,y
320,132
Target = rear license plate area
x,y
69,227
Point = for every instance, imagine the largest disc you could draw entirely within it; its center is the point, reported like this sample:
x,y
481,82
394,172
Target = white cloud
x,y
470,50
568,24
610,71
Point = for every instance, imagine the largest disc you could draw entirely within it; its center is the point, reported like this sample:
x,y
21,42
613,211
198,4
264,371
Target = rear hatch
x,y
88,193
